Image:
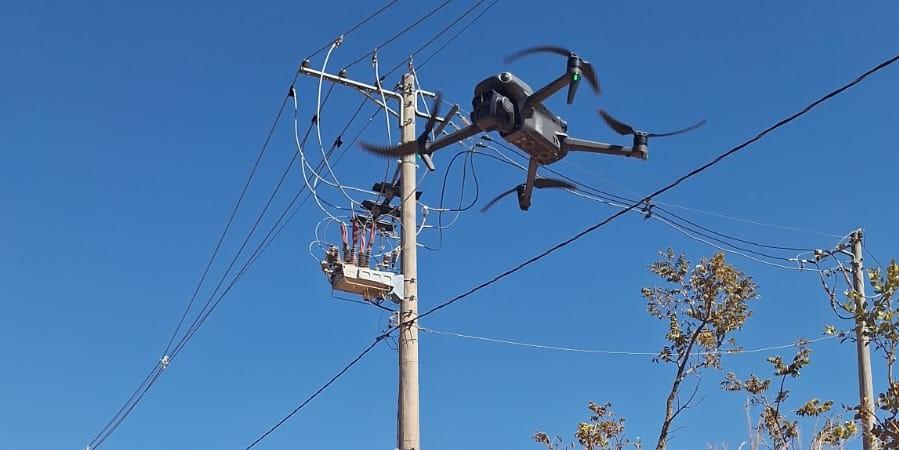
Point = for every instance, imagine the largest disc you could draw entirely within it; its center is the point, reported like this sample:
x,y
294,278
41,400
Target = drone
x,y
506,104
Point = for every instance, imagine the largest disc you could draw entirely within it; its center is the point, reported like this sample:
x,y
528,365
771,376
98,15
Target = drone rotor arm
x,y
452,138
547,91
581,145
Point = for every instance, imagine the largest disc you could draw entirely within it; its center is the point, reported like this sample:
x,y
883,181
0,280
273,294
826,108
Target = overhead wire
x,y
457,34
401,32
433,38
157,370
317,392
318,133
654,207
734,351
354,27
876,261
697,210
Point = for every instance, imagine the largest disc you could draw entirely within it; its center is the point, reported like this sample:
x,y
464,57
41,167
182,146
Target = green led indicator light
x,y
575,77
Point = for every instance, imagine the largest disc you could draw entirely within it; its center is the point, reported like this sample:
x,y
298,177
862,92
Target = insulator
x,y
332,255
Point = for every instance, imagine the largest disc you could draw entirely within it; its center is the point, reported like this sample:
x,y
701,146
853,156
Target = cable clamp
x,y
164,362
647,209
374,56
338,41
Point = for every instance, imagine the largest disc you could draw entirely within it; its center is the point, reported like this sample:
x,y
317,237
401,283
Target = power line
x,y
400,33
458,33
318,391
735,351
680,224
354,27
434,38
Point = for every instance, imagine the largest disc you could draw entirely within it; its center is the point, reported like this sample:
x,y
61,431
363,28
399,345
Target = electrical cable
x,y
353,28
865,247
620,202
735,351
433,38
458,33
401,32
318,133
154,374
317,391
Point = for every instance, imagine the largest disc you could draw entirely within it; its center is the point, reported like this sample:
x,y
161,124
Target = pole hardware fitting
x,y
338,41
821,254
306,63
164,362
647,209
342,73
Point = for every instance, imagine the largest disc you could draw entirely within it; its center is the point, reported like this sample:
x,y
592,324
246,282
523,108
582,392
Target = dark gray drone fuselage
x,y
500,104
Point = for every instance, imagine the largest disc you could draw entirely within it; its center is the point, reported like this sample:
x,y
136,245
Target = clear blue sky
x,y
127,130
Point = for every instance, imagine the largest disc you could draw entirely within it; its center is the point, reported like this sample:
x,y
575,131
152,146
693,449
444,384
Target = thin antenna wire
x,y
735,351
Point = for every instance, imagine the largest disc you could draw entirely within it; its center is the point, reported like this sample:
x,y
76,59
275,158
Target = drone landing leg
x,y
525,190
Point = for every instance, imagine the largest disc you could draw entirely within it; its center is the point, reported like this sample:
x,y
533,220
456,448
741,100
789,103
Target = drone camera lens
x,y
505,76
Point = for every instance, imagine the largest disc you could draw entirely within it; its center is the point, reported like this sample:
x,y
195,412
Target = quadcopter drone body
x,y
506,104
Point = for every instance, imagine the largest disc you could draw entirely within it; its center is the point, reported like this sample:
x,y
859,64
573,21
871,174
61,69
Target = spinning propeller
x,y
576,66
419,145
641,138
539,183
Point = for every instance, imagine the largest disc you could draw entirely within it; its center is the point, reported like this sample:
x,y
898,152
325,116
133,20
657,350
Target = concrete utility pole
x,y
408,428
408,435
865,383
